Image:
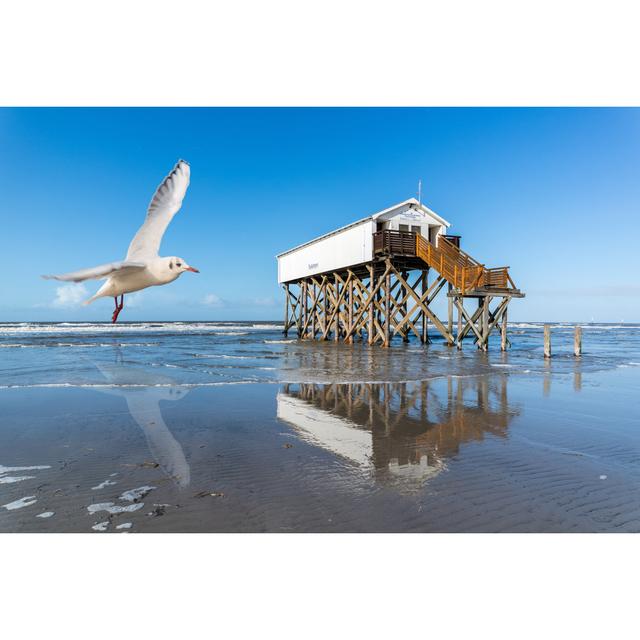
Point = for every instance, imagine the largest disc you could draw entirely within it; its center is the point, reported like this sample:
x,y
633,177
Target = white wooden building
x,y
353,244
369,280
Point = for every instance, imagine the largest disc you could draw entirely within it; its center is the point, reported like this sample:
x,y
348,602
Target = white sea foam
x,y
12,479
33,468
110,507
136,494
46,514
101,526
231,333
19,346
221,355
83,345
102,485
18,504
132,327
71,385
278,341
572,325
125,525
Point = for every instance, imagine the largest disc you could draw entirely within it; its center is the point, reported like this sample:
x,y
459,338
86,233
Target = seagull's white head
x,y
177,266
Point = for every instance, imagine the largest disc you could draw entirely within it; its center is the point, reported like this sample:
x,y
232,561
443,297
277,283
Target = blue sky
x,y
553,193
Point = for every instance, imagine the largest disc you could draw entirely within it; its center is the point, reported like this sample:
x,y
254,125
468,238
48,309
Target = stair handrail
x,y
458,267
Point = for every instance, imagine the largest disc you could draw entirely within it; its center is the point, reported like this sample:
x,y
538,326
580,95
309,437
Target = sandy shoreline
x,y
495,452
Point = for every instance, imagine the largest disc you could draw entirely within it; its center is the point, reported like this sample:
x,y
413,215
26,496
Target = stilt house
x,y
356,281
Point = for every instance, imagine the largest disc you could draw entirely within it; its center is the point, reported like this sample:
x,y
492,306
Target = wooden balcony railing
x,y
453,264
395,242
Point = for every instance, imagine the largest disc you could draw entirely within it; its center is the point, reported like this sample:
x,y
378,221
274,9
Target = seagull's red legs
x,y
118,308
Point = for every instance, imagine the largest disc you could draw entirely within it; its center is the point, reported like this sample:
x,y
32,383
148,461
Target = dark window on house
x,y
403,227
416,229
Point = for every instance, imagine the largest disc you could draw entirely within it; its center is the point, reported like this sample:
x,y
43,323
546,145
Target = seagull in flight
x,y
142,267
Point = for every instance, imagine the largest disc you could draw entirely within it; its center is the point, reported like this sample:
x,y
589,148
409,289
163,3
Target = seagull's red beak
x,y
192,269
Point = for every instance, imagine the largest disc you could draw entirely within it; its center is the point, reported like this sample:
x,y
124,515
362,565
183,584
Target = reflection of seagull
x,y
141,391
143,267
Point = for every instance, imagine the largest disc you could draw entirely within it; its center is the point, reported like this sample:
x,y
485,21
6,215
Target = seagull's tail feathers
x,y
100,293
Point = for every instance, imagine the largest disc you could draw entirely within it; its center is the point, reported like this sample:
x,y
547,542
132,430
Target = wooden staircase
x,y
459,268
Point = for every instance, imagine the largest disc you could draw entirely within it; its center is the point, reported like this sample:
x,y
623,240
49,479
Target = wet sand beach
x,y
231,428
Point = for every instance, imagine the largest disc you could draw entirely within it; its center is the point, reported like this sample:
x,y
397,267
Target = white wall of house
x,y
344,249
410,219
354,244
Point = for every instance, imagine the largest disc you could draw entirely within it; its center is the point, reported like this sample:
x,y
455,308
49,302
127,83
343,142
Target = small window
x,y
403,227
416,229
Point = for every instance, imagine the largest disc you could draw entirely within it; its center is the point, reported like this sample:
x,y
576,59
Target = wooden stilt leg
x,y
313,311
286,311
305,307
485,323
336,333
371,328
403,294
450,314
350,313
479,321
387,310
425,319
459,337
324,291
299,321
503,331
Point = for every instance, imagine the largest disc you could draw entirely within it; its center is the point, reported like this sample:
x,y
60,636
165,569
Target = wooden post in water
x,y
577,341
547,341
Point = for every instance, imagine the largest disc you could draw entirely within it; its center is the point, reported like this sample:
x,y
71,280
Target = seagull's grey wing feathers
x,y
101,271
165,203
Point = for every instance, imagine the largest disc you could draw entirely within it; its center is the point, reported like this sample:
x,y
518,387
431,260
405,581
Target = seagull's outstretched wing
x,y
101,271
166,202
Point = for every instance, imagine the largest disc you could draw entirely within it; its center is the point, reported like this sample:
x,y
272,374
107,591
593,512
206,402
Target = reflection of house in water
x,y
143,391
402,432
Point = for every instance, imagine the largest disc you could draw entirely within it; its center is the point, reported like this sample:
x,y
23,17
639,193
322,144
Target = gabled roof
x,y
413,202
416,205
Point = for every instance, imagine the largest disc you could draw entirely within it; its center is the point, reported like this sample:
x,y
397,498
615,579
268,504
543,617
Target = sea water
x,y
211,353
231,426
